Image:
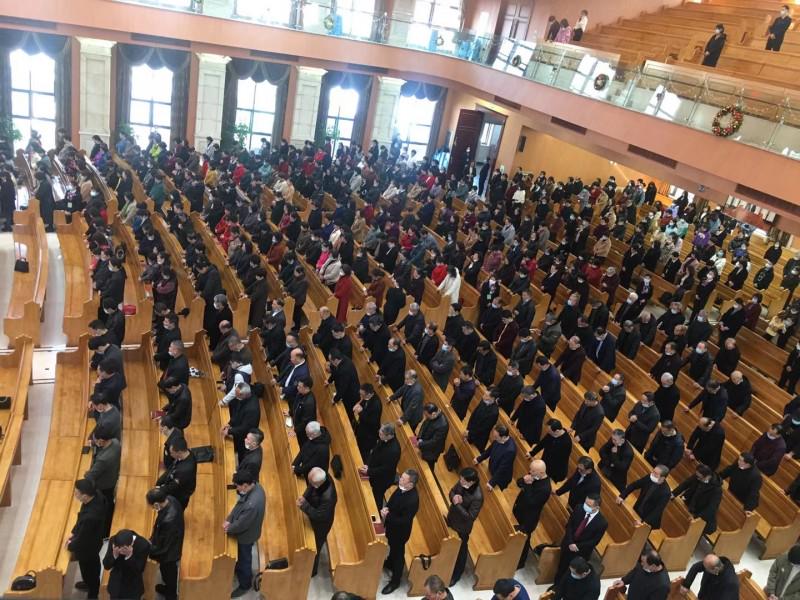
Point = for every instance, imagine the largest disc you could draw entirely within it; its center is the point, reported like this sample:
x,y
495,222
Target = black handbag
x,y
451,459
273,565
24,583
203,454
337,468
5,402
21,265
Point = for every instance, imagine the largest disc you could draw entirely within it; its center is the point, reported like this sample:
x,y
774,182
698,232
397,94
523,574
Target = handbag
x,y
24,583
451,459
336,466
128,310
5,402
21,265
203,454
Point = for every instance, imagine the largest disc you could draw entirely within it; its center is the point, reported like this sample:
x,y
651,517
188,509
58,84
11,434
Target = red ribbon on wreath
x,y
736,118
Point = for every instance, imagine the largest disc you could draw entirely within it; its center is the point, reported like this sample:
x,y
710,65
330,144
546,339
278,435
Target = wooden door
x,y
465,141
516,19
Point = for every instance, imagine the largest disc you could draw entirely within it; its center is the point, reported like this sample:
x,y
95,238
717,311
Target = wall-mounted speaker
x,y
521,143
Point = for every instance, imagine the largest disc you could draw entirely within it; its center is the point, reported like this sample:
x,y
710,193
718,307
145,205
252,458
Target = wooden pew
x,y
356,551
187,297
55,509
430,535
25,309
80,301
135,293
209,554
141,451
290,536
239,303
15,376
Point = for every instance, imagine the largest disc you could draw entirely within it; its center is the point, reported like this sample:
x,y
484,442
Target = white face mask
x,y
654,479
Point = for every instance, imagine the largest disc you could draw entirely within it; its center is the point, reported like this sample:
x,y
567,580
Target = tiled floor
x,y
14,518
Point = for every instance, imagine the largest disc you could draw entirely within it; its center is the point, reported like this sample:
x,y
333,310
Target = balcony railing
x,y
678,94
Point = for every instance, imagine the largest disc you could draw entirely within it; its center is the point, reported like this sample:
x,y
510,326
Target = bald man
x,y
534,490
719,580
319,504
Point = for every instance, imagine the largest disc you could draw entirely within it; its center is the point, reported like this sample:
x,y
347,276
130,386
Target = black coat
x,y
177,368
369,421
707,445
485,367
392,368
589,538
702,499
615,465
724,586
180,479
586,423
127,574
529,417
314,453
549,384
89,529
570,363
426,349
652,501
251,461
665,450
461,517
166,541
403,507
556,454
646,420
432,437
382,463
745,485
666,400
179,407
579,487
481,422
524,354
647,586
530,502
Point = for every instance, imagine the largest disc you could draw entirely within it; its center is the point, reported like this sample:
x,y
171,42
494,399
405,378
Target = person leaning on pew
x,y
718,582
583,531
466,501
535,488
398,517
318,502
648,580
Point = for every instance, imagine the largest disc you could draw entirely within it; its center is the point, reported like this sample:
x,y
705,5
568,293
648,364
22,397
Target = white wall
x,y
306,103
95,90
210,96
385,108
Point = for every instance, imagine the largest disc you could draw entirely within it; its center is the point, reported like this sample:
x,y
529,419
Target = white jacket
x,y
451,287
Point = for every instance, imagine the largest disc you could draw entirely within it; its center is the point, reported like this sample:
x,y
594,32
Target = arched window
x,y
33,100
255,107
151,102
341,115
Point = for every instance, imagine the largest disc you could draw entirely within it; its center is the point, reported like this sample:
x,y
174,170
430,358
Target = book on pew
x,y
157,414
378,527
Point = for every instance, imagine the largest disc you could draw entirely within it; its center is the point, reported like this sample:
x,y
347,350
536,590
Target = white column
x,y
95,90
306,103
210,96
385,109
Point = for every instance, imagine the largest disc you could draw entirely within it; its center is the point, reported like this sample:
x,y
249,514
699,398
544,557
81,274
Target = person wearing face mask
x,y
642,420
602,350
775,34
616,456
698,330
441,364
714,400
769,450
584,482
509,388
529,415
466,501
719,580
534,492
790,431
583,531
669,362
392,365
427,345
570,361
745,481
648,580
557,447
703,291
763,277
654,495
587,421
731,321
398,517
568,317
491,319
671,319
612,396
667,447
706,443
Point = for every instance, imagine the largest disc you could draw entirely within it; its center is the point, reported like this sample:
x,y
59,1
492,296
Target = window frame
x,y
421,146
335,139
30,92
251,111
151,104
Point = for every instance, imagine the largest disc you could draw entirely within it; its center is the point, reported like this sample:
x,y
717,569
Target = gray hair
x,y
221,299
388,429
244,389
317,475
313,429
